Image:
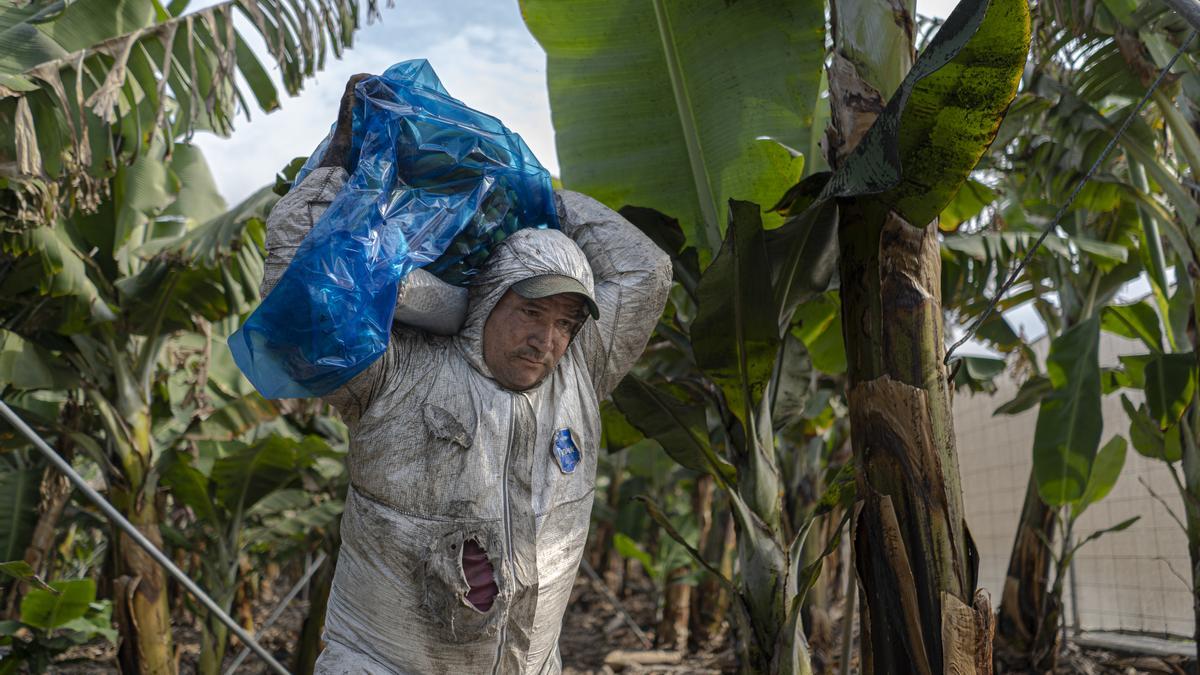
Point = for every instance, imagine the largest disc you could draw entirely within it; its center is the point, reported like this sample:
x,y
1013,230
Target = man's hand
x,y
338,152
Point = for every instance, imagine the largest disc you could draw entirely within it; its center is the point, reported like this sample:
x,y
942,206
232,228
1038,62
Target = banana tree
x,y
684,396
1164,425
896,167
1134,44
717,399
1088,67
252,482
238,493
34,492
109,309
85,87
1145,37
111,231
623,532
912,162
1077,272
1070,472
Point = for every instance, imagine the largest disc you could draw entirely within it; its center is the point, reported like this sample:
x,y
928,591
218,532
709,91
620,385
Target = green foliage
x,y
1069,421
21,571
803,251
52,620
1106,469
841,490
977,373
69,600
681,137
1146,436
26,365
679,427
19,494
1030,394
240,477
944,115
735,335
90,83
615,428
656,514
1170,384
1137,321
792,388
288,521
819,327
1167,380
1119,527
762,317
714,401
46,262
628,548
250,500
124,271
970,200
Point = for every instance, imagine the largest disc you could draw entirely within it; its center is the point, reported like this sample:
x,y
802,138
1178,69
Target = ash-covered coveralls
x,y
440,454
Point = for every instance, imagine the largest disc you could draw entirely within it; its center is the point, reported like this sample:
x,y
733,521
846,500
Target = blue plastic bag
x,y
434,184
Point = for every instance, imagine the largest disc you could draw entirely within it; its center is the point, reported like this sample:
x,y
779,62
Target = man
x,y
473,453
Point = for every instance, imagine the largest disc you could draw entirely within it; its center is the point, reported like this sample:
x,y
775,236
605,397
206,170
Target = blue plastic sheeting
x,y
434,184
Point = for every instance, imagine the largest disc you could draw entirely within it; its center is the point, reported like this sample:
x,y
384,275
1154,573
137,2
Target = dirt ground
x,y
593,631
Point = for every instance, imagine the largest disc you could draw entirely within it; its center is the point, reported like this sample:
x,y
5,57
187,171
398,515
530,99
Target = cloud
x,y
480,49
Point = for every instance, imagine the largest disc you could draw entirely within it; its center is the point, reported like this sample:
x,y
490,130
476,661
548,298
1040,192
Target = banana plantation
x,y
865,207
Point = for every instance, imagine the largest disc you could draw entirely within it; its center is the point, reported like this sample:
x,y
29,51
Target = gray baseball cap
x,y
545,285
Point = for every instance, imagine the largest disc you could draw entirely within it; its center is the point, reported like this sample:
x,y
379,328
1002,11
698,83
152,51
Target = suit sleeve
x,y
632,277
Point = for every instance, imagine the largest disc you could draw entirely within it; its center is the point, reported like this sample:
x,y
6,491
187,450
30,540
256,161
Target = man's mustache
x,y
530,354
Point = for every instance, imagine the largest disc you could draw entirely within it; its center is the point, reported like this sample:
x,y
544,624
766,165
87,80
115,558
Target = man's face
x,y
524,339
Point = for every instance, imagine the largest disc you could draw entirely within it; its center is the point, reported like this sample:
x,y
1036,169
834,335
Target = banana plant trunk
x,y
1025,638
140,593
214,634
677,600
915,560
1191,502
711,604
56,492
214,638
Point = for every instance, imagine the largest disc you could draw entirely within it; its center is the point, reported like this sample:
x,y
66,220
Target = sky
x,y
480,49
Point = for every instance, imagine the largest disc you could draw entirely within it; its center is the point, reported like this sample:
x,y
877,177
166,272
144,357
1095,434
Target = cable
x,y
1062,211
278,611
141,540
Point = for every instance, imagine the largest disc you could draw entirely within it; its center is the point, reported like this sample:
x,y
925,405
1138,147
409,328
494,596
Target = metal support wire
x,y
616,604
278,611
1062,210
141,540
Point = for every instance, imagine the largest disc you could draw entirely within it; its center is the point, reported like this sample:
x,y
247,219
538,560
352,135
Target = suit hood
x,y
524,254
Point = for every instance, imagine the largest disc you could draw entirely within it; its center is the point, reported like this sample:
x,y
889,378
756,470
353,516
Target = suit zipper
x,y
507,519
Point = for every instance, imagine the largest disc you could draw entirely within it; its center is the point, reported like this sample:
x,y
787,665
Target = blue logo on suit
x,y
565,451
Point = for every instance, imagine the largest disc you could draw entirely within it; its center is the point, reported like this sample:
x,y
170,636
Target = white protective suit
x,y
440,453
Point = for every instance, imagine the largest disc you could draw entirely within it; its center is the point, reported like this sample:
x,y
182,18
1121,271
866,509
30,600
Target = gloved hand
x,y
338,152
